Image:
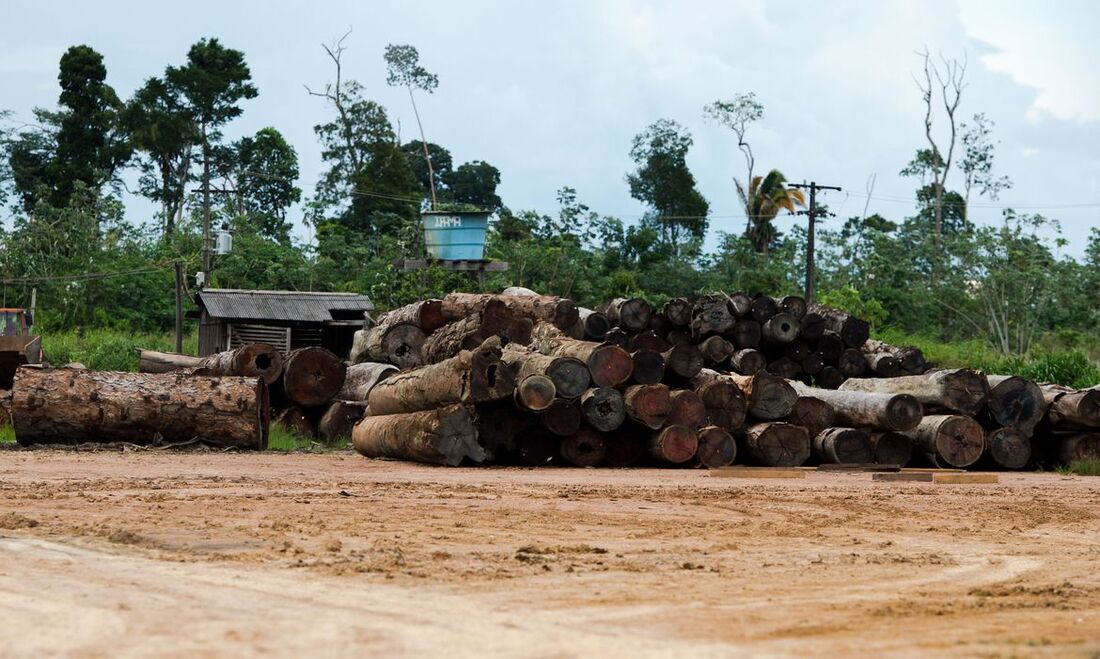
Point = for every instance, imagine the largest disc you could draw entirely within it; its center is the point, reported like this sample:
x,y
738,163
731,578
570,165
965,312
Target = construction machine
x,y
18,344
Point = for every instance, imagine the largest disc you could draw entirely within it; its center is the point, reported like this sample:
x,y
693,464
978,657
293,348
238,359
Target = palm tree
x,y
766,196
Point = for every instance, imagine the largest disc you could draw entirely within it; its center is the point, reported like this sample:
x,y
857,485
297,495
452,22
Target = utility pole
x,y
812,213
179,305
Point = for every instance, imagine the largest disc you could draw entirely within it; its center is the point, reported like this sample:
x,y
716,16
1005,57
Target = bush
x,y
109,350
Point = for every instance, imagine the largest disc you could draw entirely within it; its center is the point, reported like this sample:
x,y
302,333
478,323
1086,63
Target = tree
x,y
264,168
475,184
738,114
403,70
392,202
164,132
946,88
664,182
977,161
441,165
6,178
767,196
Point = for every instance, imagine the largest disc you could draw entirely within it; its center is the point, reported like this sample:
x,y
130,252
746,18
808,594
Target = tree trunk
x,y
785,369
724,401
716,447
852,363
563,418
686,408
569,375
603,408
882,364
294,419
608,365
831,346
494,319
812,364
763,308
594,323
253,360
631,314
1069,447
647,404
712,314
649,340
1068,409
777,444
852,330
792,305
338,420
769,397
623,448
955,440
400,345
813,414
361,378
829,378
748,361
780,329
71,406
683,361
961,390
674,444
534,393
1015,402
560,312
1008,448
445,436
151,361
617,336
813,326
746,334
584,448
891,448
425,314
843,446
313,376
649,367
910,359
716,350
471,376
861,409
678,312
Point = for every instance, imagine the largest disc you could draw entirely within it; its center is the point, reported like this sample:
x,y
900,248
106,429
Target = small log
x,y
882,364
678,312
686,408
445,436
853,331
813,326
569,375
712,314
961,390
294,419
252,360
338,420
1068,409
716,350
763,308
716,447
631,314
812,364
683,361
1069,447
603,408
535,393
769,397
313,376
152,361
562,418
797,350
679,337
748,361
498,424
400,345
831,346
910,359
891,448
584,448
623,448
813,414
425,314
608,365
1015,402
649,367
594,324
777,444
780,329
537,448
724,401
471,376
955,440
785,369
647,404
843,446
740,304
72,406
617,336
859,409
829,377
648,340
674,444
851,363
792,305
361,378
1008,448
560,312
746,334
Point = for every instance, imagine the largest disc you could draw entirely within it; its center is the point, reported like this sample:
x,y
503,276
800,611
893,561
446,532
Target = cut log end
x,y
649,367
603,408
716,447
313,376
778,444
843,446
535,393
1009,448
585,448
674,444
891,448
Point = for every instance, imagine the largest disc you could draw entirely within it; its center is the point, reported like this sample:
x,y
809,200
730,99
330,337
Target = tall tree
x,y
664,182
441,165
213,82
264,169
392,202
403,70
977,161
738,114
767,196
475,183
944,87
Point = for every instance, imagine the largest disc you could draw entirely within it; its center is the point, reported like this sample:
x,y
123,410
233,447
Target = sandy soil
x,y
143,553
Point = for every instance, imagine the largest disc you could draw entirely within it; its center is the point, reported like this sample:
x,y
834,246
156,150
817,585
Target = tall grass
x,y
109,350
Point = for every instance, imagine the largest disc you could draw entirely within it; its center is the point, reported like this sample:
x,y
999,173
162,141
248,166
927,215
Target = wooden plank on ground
x,y
904,476
757,472
965,479
860,466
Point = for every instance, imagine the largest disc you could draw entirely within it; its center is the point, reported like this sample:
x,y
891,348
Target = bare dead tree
x,y
336,94
948,84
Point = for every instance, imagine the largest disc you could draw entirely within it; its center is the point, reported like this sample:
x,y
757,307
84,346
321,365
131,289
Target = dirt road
x,y
209,554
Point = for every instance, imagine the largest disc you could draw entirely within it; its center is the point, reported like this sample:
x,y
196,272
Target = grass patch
x,y
109,350
7,434
281,438
1087,467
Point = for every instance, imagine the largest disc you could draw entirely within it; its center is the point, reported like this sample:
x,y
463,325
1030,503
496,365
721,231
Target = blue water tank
x,y
455,236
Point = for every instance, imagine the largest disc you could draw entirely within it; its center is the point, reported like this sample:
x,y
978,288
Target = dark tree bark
x,y
852,330
891,448
724,401
678,312
813,326
882,364
746,334
683,361
716,447
562,418
1068,409
763,308
769,397
851,364
594,324
712,314
716,350
312,376
648,340
793,305
777,444
444,435
748,361
649,367
830,345
843,446
829,377
584,448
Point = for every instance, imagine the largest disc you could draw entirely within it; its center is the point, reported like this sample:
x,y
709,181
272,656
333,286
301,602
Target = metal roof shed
x,y
229,318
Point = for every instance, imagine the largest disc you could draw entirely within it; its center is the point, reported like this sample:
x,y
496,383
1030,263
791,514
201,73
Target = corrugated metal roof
x,y
239,304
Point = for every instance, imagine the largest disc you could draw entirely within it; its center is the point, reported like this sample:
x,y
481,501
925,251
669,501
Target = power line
x,y
87,276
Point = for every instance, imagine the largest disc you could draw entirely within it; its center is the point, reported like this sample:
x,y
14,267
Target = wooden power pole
x,y
813,187
179,306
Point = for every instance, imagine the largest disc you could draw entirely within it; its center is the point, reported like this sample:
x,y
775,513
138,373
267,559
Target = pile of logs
x,y
530,379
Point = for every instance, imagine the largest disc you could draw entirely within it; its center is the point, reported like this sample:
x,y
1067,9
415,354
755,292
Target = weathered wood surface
x,y
494,319
647,404
812,413
684,361
313,376
152,361
852,330
608,365
712,314
534,393
296,420
560,312
594,324
724,401
717,447
674,444
686,408
843,446
748,361
252,360
444,435
72,406
471,376
584,448
954,440
569,375
961,390
780,329
603,408
338,420
400,344
361,378
1070,409
891,448
775,444
1015,402
861,409
678,312
1008,448
769,397
631,314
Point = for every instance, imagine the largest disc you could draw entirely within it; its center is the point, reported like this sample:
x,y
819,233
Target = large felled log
x,y
1068,409
313,375
763,308
72,406
910,359
1069,447
674,444
594,324
813,326
631,314
649,340
852,330
851,363
716,447
961,390
1008,448
954,439
1015,402
724,401
494,319
560,312
584,448
608,365
860,409
769,397
563,418
617,336
647,404
444,435
624,447
793,305
745,334
780,329
471,376
649,367
498,424
361,378
253,360
748,361
829,377
535,393
152,361
425,314
684,361
843,446
777,444
712,314
686,408
882,364
891,448
569,375
338,420
716,350
603,408
813,414
400,345
678,312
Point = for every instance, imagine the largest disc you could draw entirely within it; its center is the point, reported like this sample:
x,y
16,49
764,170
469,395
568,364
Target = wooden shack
x,y
229,318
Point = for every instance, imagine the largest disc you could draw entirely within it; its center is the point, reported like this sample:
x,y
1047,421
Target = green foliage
x,y
7,434
213,82
264,168
1079,467
109,350
848,298
281,438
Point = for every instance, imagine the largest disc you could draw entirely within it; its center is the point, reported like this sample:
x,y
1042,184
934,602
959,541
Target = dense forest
x,y
67,234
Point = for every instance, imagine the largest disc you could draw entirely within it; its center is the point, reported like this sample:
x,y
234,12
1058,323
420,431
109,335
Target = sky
x,y
552,93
